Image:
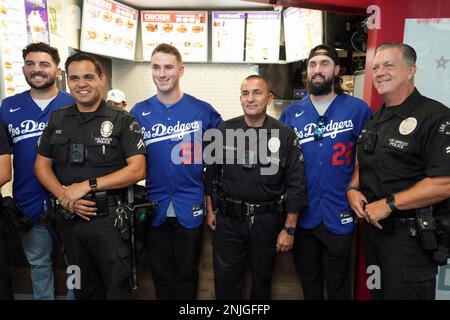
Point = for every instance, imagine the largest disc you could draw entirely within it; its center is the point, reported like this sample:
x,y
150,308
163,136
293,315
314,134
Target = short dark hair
x,y
169,49
255,76
42,47
330,52
408,52
82,56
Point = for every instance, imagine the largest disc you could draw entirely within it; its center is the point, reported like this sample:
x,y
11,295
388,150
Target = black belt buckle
x,y
250,209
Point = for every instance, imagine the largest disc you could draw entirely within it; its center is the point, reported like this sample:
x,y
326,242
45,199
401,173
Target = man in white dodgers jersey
x,y
173,123
327,124
25,116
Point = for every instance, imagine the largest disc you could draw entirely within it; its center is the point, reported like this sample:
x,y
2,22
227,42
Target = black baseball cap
x,y
325,50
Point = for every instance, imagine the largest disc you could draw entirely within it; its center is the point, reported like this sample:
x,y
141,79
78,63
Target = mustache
x,y
318,75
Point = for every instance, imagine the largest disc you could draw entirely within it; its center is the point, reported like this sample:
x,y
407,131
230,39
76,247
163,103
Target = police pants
x,y
407,272
174,252
321,255
237,243
6,292
102,256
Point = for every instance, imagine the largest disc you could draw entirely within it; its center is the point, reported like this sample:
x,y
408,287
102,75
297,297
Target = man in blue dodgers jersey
x,y
327,124
173,123
25,116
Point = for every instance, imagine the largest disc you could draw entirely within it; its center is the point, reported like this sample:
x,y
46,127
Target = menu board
x,y
263,37
228,36
37,21
185,30
109,28
13,38
302,32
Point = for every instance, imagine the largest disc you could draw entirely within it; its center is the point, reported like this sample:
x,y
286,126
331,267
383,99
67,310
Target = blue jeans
x,y
38,247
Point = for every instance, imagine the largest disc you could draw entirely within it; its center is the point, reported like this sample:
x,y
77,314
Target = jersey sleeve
x,y
215,118
283,117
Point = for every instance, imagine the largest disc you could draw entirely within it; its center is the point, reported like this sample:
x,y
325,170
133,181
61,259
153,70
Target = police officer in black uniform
x,y
88,155
404,175
256,183
5,176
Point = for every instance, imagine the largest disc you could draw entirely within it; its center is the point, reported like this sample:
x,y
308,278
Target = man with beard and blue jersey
x,y
327,123
173,123
25,116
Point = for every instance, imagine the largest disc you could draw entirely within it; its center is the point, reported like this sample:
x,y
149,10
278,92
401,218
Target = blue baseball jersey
x,y
25,121
173,137
329,162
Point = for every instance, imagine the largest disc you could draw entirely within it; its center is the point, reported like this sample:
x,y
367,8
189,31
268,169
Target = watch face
x,y
390,201
289,230
93,184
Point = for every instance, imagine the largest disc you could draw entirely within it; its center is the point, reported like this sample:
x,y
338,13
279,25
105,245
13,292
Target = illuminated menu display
x,y
263,37
228,36
185,30
302,32
109,28
13,38
246,36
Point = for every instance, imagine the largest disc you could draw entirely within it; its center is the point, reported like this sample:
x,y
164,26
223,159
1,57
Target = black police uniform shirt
x,y
90,145
4,141
245,181
401,145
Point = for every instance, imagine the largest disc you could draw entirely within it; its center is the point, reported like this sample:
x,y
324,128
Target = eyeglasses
x,y
320,127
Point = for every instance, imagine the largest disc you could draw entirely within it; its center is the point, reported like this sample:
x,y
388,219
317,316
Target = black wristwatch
x,y
93,184
289,230
390,201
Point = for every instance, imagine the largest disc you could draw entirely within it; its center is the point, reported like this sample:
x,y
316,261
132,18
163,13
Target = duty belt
x,y
250,208
403,219
403,214
105,200
111,199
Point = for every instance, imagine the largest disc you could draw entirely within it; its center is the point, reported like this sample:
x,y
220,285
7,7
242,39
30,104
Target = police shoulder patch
x,y
444,127
134,127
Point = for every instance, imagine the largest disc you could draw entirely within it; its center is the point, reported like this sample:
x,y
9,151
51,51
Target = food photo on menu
x,y
186,30
167,27
109,28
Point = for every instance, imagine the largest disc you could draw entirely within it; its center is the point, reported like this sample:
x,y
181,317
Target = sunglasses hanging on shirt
x,y
320,127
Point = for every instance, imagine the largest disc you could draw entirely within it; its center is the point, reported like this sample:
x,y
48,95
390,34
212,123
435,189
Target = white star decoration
x,y
441,62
